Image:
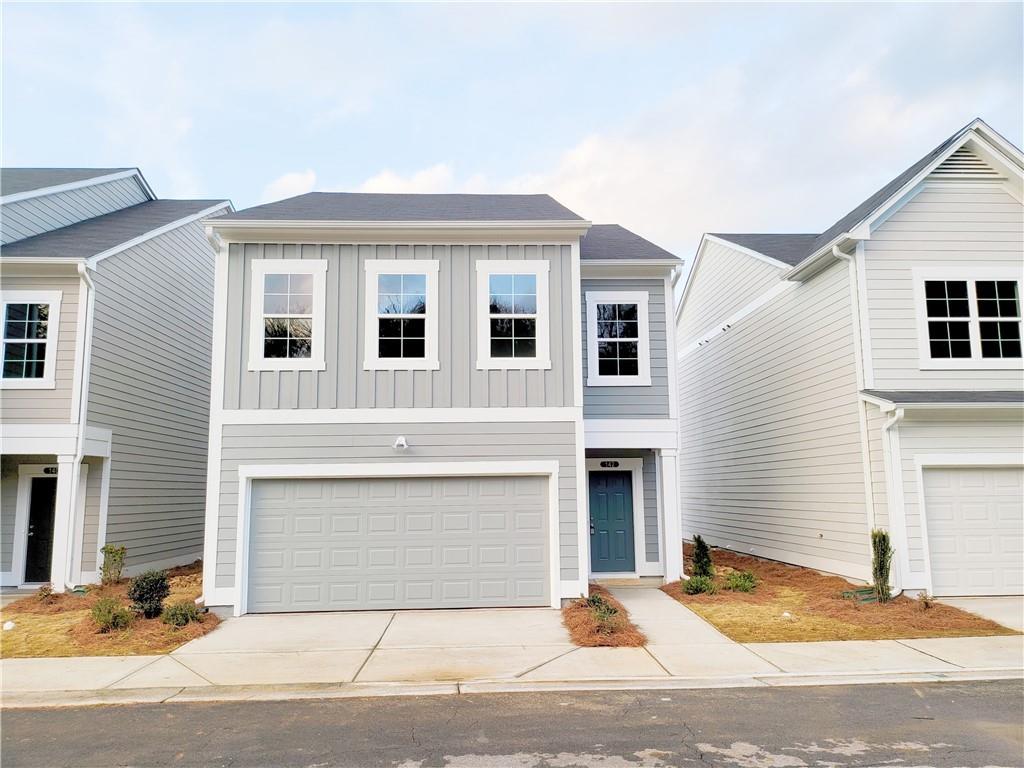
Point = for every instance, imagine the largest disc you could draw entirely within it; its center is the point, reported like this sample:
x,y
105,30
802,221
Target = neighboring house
x,y
107,300
868,377
409,409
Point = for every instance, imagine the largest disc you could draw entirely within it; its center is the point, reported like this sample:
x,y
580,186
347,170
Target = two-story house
x,y
869,376
426,401
107,302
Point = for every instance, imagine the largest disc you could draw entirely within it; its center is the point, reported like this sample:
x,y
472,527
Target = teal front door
x,y
611,522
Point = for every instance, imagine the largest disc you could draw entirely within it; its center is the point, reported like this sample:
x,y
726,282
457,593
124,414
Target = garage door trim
x,y
950,461
249,472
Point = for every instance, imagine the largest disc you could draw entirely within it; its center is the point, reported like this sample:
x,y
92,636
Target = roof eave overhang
x,y
887,406
4,260
297,230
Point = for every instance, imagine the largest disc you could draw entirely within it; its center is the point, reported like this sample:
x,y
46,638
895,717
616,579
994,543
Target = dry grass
x,y
817,610
63,625
587,630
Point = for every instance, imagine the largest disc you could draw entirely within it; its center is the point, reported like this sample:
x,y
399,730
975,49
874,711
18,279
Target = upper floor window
x,y
969,322
512,314
29,338
287,314
618,339
401,315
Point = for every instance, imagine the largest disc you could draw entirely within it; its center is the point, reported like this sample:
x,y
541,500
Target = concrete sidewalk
x,y
417,652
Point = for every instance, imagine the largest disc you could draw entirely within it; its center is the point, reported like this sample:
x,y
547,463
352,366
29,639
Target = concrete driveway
x,y
1008,611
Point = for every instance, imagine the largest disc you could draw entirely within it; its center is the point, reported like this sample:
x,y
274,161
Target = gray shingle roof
x,y
14,181
935,397
614,243
790,249
92,236
365,206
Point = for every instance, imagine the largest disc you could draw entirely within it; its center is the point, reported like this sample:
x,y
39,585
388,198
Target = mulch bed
x,y
588,630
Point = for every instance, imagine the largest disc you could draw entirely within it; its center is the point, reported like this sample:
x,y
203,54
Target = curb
x,y
228,693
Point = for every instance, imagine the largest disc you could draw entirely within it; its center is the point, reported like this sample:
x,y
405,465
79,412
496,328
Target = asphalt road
x,y
946,724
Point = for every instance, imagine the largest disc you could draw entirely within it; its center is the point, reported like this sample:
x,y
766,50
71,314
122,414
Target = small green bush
x,y
702,565
697,585
881,560
741,581
181,613
147,593
109,614
113,563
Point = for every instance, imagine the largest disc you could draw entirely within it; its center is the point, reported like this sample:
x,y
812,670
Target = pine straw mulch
x,y
62,624
817,610
587,629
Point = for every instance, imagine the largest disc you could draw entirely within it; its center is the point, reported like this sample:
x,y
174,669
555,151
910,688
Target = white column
x,y
63,522
672,524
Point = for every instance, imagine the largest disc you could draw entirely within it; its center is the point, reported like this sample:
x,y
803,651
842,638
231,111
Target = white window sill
x,y
45,383
286,364
401,365
513,365
619,381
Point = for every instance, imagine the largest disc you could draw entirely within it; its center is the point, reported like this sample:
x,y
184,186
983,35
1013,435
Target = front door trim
x,y
26,472
249,472
635,466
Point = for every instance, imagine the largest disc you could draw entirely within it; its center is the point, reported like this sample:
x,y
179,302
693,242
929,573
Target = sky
x,y
670,119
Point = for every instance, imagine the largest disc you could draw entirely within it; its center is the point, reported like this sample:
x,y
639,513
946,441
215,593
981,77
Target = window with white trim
x,y
29,342
512,315
969,322
618,339
287,315
401,315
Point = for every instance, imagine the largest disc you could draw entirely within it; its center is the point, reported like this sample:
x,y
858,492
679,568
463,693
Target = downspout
x,y
83,395
891,422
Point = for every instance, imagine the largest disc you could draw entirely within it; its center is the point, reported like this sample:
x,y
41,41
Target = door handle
x,y
591,529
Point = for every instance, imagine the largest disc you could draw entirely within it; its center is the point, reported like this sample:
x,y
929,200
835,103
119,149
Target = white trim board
x,y
395,415
635,466
722,326
249,472
630,433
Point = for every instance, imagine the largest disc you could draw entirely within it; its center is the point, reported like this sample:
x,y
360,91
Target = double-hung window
x,y
969,322
287,317
618,339
401,315
512,315
30,324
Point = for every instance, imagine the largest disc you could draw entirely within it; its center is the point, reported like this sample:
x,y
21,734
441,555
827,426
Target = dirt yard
x,y
792,604
63,625
591,627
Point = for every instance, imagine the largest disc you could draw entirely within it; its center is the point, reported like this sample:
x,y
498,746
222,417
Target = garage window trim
x,y
28,346
401,318
513,315
618,339
287,317
968,320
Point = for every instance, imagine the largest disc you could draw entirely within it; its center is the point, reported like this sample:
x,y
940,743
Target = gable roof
x,y
95,236
382,207
789,249
610,242
15,181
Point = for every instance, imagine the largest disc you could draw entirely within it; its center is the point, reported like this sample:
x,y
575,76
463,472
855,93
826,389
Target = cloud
x,y
289,185
436,178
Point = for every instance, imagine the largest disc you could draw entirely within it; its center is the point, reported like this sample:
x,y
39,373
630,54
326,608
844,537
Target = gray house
x,y
436,401
107,301
868,376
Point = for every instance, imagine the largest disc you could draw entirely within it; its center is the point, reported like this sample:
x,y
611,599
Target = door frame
x,y
249,472
924,461
635,466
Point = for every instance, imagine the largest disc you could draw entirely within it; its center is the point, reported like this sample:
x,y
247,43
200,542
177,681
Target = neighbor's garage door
x,y
975,520
353,544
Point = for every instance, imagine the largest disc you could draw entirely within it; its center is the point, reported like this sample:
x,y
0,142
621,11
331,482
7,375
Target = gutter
x,y
896,461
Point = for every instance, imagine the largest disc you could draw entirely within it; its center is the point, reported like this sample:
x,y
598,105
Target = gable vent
x,y
964,164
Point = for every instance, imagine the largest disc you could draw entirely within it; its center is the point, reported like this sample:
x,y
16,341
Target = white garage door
x,y
376,543
975,519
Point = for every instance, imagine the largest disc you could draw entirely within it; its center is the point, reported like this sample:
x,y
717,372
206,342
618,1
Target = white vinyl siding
x,y
876,456
91,521
724,281
770,444
947,226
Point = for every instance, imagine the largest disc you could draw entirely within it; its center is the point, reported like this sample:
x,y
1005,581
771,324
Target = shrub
x,y
925,601
45,594
697,585
702,565
147,592
881,559
181,613
113,563
741,581
109,614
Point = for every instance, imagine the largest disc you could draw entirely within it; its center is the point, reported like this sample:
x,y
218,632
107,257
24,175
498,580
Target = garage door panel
x,y
385,543
975,519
